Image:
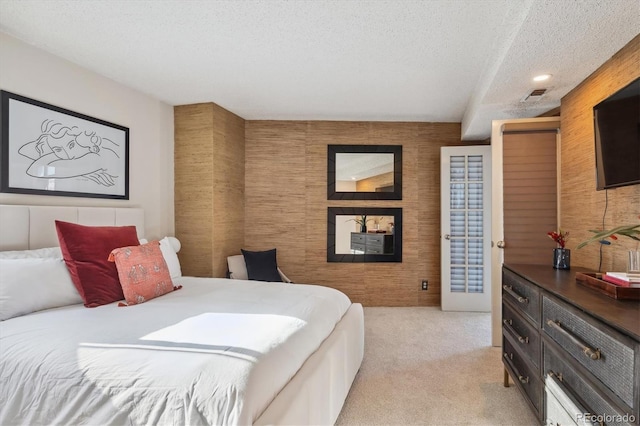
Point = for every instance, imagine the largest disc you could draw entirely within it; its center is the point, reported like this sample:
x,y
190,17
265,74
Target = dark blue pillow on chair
x,y
262,265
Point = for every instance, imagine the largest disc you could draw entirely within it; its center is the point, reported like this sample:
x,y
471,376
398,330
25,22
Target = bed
x,y
217,351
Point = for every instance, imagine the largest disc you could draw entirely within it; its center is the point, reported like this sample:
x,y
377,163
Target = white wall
x,y
33,73
344,227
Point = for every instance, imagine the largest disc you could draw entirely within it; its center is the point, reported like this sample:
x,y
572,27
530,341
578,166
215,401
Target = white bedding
x,y
183,358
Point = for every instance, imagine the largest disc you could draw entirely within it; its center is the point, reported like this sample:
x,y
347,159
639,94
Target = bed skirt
x,y
316,394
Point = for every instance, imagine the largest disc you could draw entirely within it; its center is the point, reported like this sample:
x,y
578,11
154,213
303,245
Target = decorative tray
x,y
594,280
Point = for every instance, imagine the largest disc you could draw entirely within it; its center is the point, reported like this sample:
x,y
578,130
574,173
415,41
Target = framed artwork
x,y
48,150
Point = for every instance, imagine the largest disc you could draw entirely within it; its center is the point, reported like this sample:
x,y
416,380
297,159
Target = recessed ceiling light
x,y
542,77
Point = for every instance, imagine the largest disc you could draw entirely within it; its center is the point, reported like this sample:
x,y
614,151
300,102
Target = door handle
x,y
447,237
500,244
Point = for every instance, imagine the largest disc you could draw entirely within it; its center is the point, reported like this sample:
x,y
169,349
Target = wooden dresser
x,y
584,345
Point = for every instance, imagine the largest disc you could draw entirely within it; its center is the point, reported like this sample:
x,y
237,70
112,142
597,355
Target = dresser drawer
x,y
522,294
608,355
358,238
580,390
523,374
374,249
524,335
358,247
375,239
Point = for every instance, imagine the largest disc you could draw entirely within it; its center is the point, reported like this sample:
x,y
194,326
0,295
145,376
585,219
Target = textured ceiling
x,y
466,61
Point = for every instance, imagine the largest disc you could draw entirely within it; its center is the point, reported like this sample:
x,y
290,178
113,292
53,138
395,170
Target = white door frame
x,y
497,221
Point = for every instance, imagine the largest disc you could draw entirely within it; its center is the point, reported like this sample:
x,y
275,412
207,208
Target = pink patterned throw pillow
x,y
143,272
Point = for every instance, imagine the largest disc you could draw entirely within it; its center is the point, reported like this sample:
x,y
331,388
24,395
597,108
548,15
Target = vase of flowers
x,y
561,255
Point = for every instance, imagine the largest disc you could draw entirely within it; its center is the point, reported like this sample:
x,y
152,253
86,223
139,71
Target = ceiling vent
x,y
535,95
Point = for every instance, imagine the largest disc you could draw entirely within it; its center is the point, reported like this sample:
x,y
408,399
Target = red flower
x,y
559,237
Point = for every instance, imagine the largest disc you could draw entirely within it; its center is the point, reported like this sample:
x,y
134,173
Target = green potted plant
x,y
629,231
362,221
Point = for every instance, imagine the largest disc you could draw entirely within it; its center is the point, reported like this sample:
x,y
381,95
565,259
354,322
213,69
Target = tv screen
x,y
617,135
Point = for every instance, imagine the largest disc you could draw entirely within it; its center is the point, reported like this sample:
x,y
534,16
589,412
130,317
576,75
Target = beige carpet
x,y
423,366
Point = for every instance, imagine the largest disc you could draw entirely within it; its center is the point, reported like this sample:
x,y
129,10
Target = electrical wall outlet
x,y
425,284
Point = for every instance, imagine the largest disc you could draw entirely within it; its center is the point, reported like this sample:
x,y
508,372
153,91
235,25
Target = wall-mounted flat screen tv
x,y
617,134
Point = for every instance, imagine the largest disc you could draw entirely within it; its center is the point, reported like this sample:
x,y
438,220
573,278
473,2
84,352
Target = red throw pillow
x,y
143,272
86,250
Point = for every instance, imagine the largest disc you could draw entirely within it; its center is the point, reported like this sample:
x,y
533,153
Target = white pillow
x,y
169,246
237,267
31,254
33,284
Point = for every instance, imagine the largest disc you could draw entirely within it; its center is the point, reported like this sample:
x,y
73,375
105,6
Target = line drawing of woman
x,y
62,152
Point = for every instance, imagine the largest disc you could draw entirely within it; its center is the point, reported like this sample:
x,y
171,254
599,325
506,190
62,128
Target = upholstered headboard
x,y
32,227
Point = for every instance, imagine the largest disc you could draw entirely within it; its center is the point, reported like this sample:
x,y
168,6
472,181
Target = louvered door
x,y
465,228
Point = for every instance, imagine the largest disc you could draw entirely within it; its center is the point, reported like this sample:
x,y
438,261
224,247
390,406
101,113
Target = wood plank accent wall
x,y
582,207
286,205
209,187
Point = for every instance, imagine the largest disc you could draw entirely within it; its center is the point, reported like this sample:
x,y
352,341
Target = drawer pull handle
x,y
508,323
521,378
594,354
509,289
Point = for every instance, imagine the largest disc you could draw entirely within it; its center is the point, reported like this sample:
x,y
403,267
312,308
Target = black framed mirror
x,y
364,172
380,240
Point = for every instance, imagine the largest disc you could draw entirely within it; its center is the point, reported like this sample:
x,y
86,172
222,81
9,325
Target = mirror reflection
x,y
364,172
362,234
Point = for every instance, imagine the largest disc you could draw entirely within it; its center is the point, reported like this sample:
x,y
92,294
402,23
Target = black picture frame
x,y
394,194
49,150
332,256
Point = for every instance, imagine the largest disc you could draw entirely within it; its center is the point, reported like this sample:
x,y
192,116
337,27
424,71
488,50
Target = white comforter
x,y
215,352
